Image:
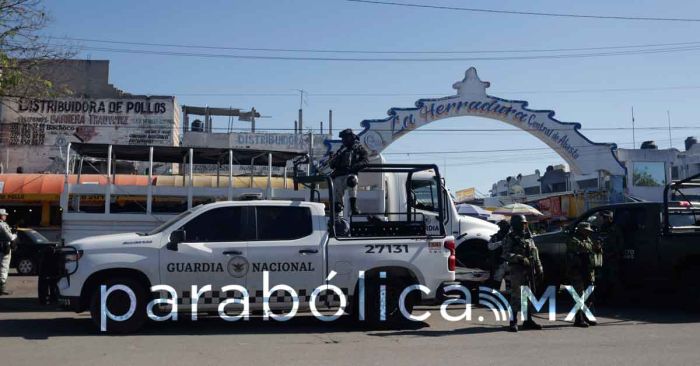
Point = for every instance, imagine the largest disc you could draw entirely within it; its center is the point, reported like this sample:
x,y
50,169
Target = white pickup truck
x,y
237,242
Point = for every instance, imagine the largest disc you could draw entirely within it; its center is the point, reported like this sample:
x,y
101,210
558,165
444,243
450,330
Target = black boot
x,y
353,206
530,324
3,291
579,322
590,322
585,318
513,326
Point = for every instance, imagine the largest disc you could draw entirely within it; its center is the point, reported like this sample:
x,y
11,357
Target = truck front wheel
x,y
119,303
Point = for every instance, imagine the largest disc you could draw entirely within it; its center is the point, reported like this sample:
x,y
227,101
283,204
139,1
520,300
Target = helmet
x,y
346,132
352,181
584,227
518,222
503,224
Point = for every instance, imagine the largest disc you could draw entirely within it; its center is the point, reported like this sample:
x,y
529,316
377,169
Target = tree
x,y
23,50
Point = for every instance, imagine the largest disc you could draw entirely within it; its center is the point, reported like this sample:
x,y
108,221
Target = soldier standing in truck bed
x,y
346,163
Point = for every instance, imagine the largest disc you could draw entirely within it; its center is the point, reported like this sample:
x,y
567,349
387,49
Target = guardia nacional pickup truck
x,y
236,242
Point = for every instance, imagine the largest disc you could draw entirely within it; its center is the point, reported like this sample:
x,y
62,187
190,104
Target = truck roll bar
x,y
312,183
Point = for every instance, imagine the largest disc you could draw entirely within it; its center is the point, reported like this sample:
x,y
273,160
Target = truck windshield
x,y
169,223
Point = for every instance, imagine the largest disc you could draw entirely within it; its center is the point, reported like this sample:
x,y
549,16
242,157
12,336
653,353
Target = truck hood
x,y
476,223
112,241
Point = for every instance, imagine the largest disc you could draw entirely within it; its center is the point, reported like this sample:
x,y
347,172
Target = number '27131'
x,y
389,248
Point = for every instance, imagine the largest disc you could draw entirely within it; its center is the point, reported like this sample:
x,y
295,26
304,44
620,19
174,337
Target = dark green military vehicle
x,y
660,246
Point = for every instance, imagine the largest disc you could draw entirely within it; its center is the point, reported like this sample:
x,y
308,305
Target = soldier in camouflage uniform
x,y
580,254
614,246
524,265
346,163
498,264
6,238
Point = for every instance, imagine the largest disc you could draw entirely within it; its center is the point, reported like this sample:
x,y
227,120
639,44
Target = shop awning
x,y
48,187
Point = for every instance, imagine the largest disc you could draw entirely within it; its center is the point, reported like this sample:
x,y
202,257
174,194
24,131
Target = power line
x,y
447,130
317,50
412,154
392,59
390,94
516,12
467,151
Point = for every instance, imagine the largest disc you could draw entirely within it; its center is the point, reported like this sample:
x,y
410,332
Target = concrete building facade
x,y
648,170
34,133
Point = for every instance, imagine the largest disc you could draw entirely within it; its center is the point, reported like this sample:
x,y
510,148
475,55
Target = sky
x,y
598,92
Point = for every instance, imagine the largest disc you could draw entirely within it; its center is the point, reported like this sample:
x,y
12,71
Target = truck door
x,y
214,252
640,235
289,248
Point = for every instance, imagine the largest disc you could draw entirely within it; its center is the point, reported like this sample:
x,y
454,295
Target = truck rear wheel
x,y
393,315
118,303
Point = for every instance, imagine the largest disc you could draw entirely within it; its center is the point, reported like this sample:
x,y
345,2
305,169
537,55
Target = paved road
x,y
645,335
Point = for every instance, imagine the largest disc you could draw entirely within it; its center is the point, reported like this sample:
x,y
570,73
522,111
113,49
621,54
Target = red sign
x,y
550,207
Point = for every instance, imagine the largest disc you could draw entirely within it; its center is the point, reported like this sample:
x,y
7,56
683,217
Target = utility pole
x,y
301,112
301,119
670,139
634,141
330,122
252,120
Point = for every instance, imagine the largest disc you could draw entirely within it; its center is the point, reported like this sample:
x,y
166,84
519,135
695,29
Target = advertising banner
x,y
465,195
36,131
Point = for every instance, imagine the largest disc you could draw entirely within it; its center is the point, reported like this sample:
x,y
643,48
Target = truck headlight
x,y
73,256
70,257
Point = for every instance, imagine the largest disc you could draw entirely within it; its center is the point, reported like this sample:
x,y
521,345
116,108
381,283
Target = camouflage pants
x,y
580,283
340,185
4,267
519,276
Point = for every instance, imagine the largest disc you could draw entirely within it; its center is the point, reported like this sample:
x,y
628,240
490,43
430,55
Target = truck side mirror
x,y
176,237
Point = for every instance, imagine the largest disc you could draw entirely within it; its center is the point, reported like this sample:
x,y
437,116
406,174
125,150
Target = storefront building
x,y
34,133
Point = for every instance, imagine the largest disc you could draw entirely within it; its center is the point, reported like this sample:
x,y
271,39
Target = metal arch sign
x,y
582,155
